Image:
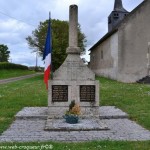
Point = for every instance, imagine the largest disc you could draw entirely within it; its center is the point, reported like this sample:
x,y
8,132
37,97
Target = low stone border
x,y
106,112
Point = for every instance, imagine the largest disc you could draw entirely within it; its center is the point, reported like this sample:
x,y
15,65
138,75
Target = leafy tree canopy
x,y
60,35
4,53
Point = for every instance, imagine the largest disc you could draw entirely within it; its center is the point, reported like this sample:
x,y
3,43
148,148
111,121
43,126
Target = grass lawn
x,y
132,98
4,74
14,96
94,145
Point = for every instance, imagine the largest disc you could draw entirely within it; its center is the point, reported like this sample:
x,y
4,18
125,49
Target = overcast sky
x,y
92,18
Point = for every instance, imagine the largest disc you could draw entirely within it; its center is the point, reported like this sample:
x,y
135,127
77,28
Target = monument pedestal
x,y
73,81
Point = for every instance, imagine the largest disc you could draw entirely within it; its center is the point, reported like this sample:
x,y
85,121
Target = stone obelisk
x,y
73,31
73,80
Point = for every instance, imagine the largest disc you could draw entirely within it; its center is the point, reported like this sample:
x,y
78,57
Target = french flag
x,y
47,55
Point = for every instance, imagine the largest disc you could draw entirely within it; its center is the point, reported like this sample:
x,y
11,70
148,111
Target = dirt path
x,y
4,81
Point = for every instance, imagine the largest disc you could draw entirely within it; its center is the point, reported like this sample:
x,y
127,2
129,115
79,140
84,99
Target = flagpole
x,y
51,76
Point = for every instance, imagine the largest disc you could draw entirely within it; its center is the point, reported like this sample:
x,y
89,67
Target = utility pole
x,y
36,64
148,58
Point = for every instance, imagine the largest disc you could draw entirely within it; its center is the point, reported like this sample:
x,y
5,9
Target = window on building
x,y
102,54
116,15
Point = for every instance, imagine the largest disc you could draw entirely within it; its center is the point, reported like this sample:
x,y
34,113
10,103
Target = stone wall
x,y
106,65
134,35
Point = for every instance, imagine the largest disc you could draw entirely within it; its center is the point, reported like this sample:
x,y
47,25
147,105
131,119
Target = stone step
x,y
106,112
82,125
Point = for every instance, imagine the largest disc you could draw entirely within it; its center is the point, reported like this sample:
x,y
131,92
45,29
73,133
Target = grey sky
x,y
92,18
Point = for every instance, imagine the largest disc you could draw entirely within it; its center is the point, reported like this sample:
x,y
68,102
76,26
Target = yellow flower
x,y
76,109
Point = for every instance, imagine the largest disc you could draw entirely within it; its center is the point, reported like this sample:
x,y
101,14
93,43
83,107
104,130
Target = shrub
x,y
6,65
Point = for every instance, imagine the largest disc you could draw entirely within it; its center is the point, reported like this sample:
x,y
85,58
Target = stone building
x,y
122,54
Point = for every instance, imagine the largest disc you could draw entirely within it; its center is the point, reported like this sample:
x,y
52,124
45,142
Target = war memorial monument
x,y
73,81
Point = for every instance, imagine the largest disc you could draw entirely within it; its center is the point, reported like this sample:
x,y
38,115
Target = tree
x,y
4,53
60,37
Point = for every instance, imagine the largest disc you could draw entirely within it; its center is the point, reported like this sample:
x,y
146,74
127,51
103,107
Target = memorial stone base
x,y
73,81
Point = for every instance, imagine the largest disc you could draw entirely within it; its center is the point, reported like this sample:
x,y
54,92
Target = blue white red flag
x,y
47,55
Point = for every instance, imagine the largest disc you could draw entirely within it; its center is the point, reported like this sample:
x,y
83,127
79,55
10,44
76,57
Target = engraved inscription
x,y
59,93
87,93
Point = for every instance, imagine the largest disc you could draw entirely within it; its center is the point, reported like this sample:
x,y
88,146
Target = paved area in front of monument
x,y
30,123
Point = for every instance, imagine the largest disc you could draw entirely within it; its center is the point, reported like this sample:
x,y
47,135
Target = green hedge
x,y
6,65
